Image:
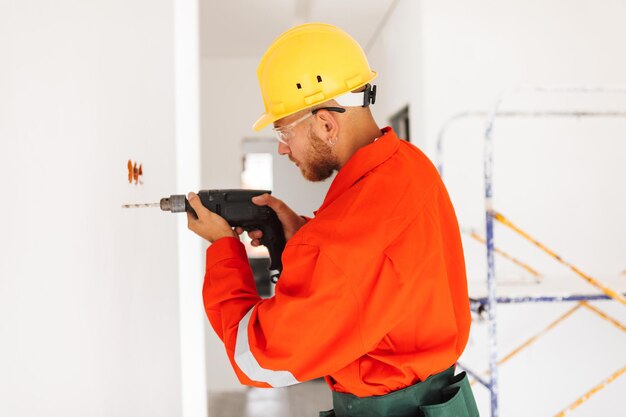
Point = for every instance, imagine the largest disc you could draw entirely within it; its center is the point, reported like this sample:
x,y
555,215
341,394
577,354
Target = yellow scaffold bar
x,y
591,392
473,234
534,338
608,291
605,316
568,313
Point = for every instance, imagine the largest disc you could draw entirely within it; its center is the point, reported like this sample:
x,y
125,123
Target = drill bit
x,y
144,205
173,203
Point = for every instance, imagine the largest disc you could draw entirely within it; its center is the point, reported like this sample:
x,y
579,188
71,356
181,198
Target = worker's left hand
x,y
208,225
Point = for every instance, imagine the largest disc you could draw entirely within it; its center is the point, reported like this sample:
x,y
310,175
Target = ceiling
x,y
245,28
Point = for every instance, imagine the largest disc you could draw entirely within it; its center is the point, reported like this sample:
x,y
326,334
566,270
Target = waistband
x,y
440,394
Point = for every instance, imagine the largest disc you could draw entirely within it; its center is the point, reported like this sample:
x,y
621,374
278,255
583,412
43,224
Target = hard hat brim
x,y
262,122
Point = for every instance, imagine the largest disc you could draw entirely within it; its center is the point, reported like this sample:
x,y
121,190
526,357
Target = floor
x,y
302,400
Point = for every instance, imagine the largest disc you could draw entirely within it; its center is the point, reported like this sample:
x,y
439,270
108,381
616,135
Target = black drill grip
x,y
237,208
274,240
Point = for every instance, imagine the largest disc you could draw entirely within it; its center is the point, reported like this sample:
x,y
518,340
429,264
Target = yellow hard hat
x,y
307,65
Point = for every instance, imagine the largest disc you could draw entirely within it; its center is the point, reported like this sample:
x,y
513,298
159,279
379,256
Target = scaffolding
x,y
486,305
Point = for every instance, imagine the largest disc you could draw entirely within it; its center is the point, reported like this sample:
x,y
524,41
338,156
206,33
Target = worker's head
x,y
314,80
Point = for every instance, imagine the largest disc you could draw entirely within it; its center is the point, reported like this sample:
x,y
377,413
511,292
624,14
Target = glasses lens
x,y
283,133
281,136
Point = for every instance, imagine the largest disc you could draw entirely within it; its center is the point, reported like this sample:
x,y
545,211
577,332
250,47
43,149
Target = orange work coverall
x,y
373,294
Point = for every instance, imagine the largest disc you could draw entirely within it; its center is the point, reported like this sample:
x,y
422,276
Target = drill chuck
x,y
174,203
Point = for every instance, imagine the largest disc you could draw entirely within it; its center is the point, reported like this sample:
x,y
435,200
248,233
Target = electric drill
x,y
239,211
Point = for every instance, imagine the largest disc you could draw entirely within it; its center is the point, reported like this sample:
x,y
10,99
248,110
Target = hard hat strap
x,y
361,99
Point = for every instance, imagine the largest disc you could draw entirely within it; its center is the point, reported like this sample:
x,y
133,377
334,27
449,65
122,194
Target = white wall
x,y
396,56
190,253
89,313
228,101
473,51
231,102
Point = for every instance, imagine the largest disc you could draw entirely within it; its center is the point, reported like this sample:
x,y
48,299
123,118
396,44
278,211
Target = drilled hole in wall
x,y
135,172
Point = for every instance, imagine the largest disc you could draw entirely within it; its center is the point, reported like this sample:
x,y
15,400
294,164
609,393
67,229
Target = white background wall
x,y
229,103
396,54
89,312
474,51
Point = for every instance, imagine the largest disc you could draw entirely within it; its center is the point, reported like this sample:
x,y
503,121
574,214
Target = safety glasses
x,y
285,133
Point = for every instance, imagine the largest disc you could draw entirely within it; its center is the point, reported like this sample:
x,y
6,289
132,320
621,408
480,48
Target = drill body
x,y
236,207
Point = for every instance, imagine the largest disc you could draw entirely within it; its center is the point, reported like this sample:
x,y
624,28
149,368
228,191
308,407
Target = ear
x,y
328,124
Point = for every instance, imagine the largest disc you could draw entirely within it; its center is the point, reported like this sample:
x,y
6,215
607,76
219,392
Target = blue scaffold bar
x,y
477,303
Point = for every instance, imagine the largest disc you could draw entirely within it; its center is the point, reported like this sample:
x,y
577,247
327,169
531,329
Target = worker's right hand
x,y
290,220
207,224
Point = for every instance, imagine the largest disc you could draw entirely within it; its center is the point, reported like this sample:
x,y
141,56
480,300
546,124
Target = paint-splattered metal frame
x,y
488,303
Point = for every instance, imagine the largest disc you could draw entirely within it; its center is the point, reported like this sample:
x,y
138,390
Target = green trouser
x,y
440,395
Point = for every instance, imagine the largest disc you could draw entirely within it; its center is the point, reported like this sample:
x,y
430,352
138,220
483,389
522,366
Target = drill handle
x,y
274,240
190,209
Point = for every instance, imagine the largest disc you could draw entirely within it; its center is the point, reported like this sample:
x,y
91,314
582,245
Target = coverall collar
x,y
363,161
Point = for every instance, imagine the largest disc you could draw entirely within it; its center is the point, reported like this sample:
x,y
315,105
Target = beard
x,y
319,163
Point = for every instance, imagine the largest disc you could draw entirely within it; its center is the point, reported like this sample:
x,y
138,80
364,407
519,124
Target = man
x,y
373,294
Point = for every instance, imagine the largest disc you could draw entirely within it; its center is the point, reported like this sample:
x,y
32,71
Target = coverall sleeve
x,y
305,331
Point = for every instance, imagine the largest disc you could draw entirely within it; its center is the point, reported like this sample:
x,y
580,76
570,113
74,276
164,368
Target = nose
x,y
283,149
